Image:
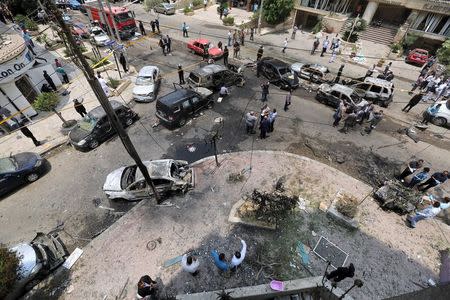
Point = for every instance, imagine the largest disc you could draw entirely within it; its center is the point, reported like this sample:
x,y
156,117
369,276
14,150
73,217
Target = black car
x,y
19,169
175,108
278,72
95,127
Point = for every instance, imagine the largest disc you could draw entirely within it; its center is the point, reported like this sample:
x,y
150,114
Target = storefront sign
x,y
16,67
437,8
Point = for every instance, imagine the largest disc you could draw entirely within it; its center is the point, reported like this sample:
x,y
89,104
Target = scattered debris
x,y
393,195
236,177
301,249
107,208
279,186
73,257
156,124
347,205
323,206
218,120
172,261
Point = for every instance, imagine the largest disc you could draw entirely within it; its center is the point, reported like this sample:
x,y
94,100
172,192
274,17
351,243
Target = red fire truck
x,y
126,25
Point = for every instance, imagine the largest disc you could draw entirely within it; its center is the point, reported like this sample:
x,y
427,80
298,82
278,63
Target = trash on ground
x,y
73,257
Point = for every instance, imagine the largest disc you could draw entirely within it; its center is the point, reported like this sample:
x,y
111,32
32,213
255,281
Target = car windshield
x,y
128,176
123,17
87,124
167,5
284,71
144,80
421,53
97,32
7,165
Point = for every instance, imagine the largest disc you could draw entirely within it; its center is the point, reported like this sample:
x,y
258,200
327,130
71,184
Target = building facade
x,y
430,19
21,77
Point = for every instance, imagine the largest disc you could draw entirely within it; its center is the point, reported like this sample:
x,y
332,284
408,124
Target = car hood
x,y
215,51
296,67
27,259
101,38
290,78
26,160
204,92
78,133
112,182
143,89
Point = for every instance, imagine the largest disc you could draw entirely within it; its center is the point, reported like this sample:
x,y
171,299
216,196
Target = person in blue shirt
x,y
419,177
219,260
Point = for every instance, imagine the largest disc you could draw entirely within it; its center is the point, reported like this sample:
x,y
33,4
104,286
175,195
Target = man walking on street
x,y
264,127
123,62
287,101
252,31
411,168
185,30
79,107
242,36
26,132
226,52
285,44
435,180
229,38
157,25
141,28
168,44
324,46
238,256
63,73
50,81
181,74
427,213
260,53
264,91
315,46
250,122
272,117
376,118
152,24
339,74
294,31
413,102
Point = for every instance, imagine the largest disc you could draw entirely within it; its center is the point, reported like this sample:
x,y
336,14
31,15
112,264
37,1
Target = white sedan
x,y
168,175
99,36
147,84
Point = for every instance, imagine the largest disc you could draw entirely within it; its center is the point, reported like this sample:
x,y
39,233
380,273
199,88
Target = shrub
x,y
443,53
150,4
46,101
352,38
347,205
410,39
396,47
197,3
277,11
228,21
187,9
9,267
113,83
360,25
27,22
318,27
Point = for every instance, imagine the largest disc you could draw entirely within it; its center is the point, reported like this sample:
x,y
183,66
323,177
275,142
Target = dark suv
x,y
95,127
175,108
278,72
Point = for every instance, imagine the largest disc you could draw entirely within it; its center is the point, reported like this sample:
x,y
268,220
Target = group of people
x,y
165,42
267,119
333,45
352,115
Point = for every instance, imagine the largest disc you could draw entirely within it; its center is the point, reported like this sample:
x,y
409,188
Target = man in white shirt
x,y
285,44
103,84
238,257
190,264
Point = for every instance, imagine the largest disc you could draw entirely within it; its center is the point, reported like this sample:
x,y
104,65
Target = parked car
x,y
440,115
18,169
175,108
333,94
278,73
37,259
313,72
378,91
80,30
417,56
99,36
147,84
165,8
214,77
199,46
95,127
168,176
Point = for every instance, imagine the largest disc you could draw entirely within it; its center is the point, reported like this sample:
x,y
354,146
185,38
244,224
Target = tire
x,y
128,122
93,144
439,121
32,177
182,122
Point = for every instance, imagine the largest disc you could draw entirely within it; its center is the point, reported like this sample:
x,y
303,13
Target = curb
x,y
54,146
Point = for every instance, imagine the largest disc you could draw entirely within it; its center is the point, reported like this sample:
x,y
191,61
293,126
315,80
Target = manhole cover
x,y
328,251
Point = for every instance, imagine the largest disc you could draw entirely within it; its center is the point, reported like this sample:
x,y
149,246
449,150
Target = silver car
x,y
165,8
147,84
168,175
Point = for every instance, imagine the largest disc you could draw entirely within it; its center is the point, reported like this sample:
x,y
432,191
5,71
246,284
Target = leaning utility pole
x,y
260,16
95,85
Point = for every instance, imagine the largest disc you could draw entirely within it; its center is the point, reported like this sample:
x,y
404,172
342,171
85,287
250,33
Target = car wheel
x,y
129,122
32,177
93,144
439,121
181,122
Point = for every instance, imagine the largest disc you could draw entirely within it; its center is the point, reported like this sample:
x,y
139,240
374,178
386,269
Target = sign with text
x,y
16,66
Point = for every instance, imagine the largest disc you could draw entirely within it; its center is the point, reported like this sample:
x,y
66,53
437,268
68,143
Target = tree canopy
x,y
22,7
443,53
277,11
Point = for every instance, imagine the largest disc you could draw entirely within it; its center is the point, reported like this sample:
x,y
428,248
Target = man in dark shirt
x,y
181,74
260,53
225,56
341,273
411,168
413,102
264,127
50,81
435,180
147,287
265,91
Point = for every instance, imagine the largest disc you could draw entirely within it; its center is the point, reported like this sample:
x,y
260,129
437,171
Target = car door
x,y
197,48
374,92
305,72
138,190
8,181
187,108
218,79
334,98
103,129
162,185
196,103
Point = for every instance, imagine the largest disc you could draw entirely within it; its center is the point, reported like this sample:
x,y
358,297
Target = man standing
x,y
250,122
387,68
242,36
157,25
435,180
341,273
413,166
229,38
294,31
190,264
339,74
103,84
205,4
57,63
26,132
219,260
419,177
168,44
427,213
376,118
252,31
315,46
236,49
79,107
413,102
325,44
63,73
370,71
152,24
185,30
260,53
285,44
50,81
264,91
162,44
225,56
181,74
350,121
264,127
287,101
272,117
141,28
123,62
238,256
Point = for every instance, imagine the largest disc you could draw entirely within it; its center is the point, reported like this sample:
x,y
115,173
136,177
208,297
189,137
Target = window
x,y
385,91
375,89
335,94
159,182
186,104
345,98
195,100
362,86
140,185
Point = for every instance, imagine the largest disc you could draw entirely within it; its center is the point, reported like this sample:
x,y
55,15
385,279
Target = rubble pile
x,y
393,195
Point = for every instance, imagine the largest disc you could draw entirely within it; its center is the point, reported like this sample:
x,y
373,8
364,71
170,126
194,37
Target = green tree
x,y
150,4
22,7
277,11
46,101
443,53
9,267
